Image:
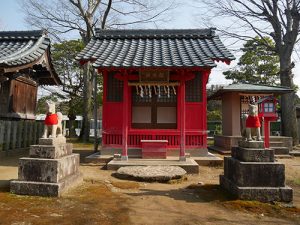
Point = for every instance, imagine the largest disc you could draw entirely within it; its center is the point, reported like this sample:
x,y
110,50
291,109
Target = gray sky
x,y
12,18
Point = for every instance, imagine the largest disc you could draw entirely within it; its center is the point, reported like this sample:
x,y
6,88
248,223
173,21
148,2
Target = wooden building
x,y
155,87
25,63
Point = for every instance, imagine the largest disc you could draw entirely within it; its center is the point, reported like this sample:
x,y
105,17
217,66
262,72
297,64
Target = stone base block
x,y
45,189
52,141
48,170
50,151
263,194
253,154
251,144
254,174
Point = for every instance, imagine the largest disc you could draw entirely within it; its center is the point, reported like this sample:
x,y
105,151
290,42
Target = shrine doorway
x,y
157,110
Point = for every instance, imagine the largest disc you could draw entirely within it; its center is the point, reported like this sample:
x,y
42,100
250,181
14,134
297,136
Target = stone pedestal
x,y
252,174
49,170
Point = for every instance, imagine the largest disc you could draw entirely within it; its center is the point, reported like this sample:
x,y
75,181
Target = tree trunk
x,y
288,109
72,131
87,103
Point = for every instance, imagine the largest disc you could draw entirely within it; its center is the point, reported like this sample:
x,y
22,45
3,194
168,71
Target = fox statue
x,y
251,124
53,122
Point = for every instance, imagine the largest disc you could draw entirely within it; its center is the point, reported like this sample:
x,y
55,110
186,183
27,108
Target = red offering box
x,y
154,149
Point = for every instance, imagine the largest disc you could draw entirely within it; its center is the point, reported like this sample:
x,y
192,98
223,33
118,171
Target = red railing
x,y
193,139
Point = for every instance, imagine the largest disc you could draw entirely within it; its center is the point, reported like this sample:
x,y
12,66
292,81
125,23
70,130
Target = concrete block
x,y
263,194
52,141
44,188
50,151
48,170
254,174
253,154
251,144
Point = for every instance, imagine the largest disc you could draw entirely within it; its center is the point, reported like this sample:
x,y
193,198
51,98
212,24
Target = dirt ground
x,y
103,199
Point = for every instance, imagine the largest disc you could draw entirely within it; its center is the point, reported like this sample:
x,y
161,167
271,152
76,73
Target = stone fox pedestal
x,y
252,174
49,170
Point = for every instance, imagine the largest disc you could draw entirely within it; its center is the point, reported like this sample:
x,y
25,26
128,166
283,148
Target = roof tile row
x,y
155,48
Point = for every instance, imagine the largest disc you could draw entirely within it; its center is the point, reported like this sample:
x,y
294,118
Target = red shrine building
x,y
154,84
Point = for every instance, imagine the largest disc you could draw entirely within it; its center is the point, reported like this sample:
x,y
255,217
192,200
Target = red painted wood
x,y
182,118
267,133
104,109
154,150
194,125
204,110
125,117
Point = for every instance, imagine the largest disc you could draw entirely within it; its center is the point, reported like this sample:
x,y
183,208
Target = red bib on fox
x,y
51,119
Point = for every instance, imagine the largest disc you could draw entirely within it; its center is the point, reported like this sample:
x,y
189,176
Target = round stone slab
x,y
151,173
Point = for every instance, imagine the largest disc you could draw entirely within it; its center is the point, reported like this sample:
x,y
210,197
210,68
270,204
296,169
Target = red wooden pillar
x,y
182,119
205,76
267,133
125,119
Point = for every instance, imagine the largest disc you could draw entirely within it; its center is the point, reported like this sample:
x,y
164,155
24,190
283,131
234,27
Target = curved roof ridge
x,y
154,33
20,34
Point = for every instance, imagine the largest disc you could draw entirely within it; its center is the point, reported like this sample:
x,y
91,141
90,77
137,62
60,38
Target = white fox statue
x,y
53,122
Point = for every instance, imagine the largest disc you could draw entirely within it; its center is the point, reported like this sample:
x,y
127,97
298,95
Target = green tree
x,y
63,55
258,64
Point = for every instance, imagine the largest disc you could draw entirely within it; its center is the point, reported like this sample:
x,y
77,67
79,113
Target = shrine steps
x,y
207,160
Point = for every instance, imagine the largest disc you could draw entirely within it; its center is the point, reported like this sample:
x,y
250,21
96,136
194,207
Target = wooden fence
x,y
19,134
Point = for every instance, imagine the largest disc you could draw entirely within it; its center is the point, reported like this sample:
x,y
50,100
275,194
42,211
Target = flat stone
x,y
52,141
254,174
251,144
253,154
44,188
151,173
47,170
189,165
263,194
50,151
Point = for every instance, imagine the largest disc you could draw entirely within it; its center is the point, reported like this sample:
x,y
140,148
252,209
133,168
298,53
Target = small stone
x,y
201,183
55,215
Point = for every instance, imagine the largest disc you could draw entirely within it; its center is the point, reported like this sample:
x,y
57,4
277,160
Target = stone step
x,y
44,188
254,174
253,154
251,144
263,194
190,165
50,151
47,170
283,156
52,141
295,153
280,150
276,144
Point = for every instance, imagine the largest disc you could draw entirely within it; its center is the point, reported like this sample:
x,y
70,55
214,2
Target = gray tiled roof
x,y
250,89
20,48
155,48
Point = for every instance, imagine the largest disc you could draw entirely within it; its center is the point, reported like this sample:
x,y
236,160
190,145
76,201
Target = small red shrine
x,y
267,111
154,88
